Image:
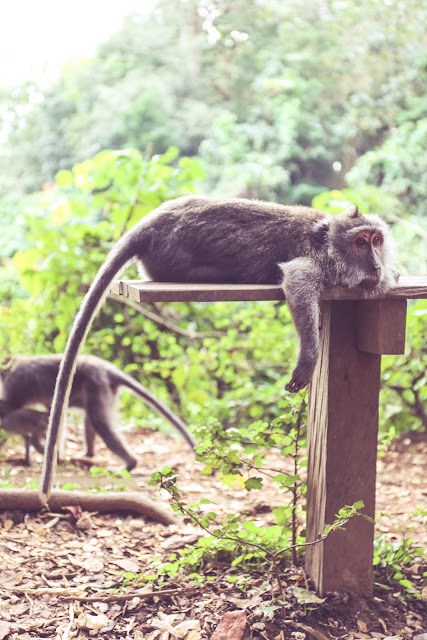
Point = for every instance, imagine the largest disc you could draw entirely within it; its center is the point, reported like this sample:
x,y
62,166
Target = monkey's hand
x,y
301,376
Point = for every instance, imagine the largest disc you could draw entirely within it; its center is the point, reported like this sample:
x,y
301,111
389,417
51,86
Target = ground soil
x,y
52,563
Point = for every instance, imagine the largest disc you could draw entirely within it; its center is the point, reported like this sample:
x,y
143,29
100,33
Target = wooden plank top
x,y
408,287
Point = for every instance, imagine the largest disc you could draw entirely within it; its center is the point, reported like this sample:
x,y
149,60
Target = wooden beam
x,y
381,326
342,451
147,291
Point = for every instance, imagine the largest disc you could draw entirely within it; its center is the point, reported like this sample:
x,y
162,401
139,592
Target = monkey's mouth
x,y
372,288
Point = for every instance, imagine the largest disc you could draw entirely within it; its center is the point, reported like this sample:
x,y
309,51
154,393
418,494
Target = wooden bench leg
x,y
342,437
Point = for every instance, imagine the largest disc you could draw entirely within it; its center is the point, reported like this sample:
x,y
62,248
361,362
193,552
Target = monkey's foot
x,y
83,460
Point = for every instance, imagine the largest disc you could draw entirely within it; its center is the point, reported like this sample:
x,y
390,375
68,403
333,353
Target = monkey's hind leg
x,y
101,412
33,440
88,450
90,435
27,458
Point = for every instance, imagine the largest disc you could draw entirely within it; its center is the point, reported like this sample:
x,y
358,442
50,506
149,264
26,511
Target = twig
x,y
295,486
136,594
417,406
64,594
408,223
171,326
67,629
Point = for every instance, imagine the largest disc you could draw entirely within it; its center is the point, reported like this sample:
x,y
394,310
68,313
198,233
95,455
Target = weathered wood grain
x,y
147,291
343,411
381,326
342,448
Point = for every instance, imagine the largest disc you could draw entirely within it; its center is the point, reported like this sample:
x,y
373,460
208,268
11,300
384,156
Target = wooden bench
x,y
342,412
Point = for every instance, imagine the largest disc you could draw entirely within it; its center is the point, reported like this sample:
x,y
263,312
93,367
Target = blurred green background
x,y
320,103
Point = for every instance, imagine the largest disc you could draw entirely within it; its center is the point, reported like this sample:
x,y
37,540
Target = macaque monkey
x,y
30,380
30,424
203,239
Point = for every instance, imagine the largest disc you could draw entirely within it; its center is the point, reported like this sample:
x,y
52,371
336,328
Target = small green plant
x,y
5,481
69,486
3,436
392,560
114,476
238,542
239,459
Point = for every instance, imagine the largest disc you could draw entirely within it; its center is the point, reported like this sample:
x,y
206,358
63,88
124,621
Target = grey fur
x,y
201,239
30,424
30,380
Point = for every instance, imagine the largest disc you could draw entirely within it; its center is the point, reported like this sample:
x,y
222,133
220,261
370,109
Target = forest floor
x,y
57,570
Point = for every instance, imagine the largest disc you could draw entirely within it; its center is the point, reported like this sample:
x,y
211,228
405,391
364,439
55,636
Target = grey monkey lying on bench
x,y
30,380
202,239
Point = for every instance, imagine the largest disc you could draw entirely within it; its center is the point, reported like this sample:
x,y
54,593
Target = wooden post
x,y
342,436
343,410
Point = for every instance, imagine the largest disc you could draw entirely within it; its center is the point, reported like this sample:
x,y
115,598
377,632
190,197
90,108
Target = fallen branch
x,y
67,594
104,502
117,597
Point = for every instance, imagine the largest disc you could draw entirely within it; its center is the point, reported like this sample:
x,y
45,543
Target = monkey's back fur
x,y
252,238
37,375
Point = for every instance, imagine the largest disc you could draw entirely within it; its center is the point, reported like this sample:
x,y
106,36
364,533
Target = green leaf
x,y
168,157
253,483
64,179
407,584
286,480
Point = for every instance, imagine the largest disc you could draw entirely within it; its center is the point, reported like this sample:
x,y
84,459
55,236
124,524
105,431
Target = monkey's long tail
x,y
151,400
125,249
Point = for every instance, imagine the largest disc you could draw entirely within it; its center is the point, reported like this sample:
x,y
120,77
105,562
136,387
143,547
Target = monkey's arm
x,y
302,285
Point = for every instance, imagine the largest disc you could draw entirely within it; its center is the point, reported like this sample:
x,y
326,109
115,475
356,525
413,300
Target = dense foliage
x,y
270,94
208,362
321,103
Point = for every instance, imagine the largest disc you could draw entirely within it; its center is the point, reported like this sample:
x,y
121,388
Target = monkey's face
x,y
366,249
368,255
363,249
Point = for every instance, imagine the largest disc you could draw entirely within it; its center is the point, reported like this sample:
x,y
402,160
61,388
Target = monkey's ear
x,y
353,212
320,232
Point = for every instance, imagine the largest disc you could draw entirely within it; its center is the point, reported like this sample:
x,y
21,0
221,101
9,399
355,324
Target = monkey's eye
x,y
376,241
360,241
